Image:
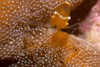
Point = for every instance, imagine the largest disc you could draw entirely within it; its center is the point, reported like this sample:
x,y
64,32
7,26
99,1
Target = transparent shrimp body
x,y
61,16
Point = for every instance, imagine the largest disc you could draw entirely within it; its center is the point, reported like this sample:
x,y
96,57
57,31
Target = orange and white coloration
x,y
16,14
61,16
22,28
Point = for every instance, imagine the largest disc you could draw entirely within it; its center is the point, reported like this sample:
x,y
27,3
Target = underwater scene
x,y
49,33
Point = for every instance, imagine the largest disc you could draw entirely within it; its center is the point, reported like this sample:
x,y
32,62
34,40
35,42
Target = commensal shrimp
x,y
23,23
61,16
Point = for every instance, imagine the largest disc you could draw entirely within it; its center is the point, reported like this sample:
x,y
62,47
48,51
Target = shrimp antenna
x,y
73,25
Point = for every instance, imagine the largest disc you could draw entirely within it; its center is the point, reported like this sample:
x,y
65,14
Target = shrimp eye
x,y
61,16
